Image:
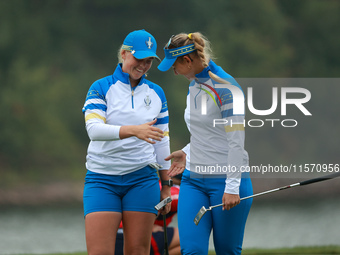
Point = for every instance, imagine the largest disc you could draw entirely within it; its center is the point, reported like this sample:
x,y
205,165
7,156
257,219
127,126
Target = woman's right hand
x,y
178,163
147,132
144,132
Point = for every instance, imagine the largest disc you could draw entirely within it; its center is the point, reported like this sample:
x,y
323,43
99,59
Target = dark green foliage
x,y
51,52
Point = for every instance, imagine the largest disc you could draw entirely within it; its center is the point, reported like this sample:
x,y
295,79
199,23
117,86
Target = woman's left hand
x,y
230,200
178,164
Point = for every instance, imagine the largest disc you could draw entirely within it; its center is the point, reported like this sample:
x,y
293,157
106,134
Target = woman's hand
x,y
230,200
144,132
165,192
178,163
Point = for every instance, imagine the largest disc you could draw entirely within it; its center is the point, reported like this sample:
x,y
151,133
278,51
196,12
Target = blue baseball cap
x,y
172,54
141,44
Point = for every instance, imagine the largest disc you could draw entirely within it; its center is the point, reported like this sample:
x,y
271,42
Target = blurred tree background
x,y
51,51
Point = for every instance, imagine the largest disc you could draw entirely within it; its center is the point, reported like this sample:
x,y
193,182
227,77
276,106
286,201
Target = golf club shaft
x,y
314,180
166,248
159,206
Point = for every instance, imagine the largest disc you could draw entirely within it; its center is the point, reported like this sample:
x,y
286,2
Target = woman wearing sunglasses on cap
x,y
213,159
126,119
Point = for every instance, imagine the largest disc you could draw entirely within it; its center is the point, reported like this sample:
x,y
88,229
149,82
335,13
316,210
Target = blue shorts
x,y
138,191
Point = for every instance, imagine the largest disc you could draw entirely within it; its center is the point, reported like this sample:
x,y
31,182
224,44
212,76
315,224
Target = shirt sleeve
x,y
237,156
94,111
186,149
102,132
162,148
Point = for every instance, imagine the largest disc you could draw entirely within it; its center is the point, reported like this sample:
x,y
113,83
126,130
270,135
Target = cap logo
x,y
127,47
149,43
180,51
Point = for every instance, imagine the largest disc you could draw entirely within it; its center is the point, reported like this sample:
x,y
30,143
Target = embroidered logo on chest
x,y
147,102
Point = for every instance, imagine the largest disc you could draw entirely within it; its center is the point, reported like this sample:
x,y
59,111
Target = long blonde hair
x,y
202,46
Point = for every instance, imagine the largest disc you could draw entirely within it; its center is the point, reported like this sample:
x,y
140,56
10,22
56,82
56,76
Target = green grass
x,y
320,250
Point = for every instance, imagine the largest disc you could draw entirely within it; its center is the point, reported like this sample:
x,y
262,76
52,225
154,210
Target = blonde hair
x,y
119,54
202,46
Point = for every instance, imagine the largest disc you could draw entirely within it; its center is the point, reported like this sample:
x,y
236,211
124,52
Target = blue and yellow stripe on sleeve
x,y
95,106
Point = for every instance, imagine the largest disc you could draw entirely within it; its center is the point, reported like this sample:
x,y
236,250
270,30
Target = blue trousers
x,y
228,226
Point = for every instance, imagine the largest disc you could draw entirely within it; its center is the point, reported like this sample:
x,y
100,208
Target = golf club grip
x,y
319,179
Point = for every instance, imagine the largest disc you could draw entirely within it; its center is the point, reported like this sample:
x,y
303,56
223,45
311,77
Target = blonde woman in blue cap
x,y
126,119
213,160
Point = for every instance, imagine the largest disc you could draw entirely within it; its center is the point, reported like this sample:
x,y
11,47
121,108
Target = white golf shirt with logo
x,y
111,102
215,149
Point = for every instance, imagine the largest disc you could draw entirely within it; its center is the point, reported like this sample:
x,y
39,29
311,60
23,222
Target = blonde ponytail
x,y
203,50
